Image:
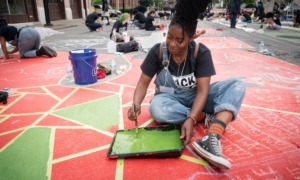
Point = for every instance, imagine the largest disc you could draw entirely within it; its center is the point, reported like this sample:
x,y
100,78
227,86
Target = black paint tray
x,y
160,141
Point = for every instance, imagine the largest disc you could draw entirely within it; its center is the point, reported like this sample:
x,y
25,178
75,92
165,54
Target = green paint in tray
x,y
146,141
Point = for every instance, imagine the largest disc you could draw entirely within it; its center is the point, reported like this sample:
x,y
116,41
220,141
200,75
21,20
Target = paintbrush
x,y
136,122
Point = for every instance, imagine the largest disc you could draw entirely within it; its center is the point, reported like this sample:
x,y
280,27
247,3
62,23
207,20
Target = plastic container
x,y
111,47
84,65
113,66
126,38
70,74
261,46
160,141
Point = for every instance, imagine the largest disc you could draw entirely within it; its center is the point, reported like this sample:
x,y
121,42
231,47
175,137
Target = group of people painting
x,y
184,60
271,19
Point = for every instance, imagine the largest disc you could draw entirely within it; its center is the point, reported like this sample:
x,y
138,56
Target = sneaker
x,y
210,148
45,50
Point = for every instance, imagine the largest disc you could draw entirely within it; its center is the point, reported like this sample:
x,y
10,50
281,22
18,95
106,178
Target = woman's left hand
x,y
187,131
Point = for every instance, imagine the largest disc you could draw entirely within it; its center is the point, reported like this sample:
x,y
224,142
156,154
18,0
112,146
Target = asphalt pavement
x,y
73,34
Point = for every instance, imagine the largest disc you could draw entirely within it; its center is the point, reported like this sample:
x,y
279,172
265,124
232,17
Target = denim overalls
x,y
28,41
172,104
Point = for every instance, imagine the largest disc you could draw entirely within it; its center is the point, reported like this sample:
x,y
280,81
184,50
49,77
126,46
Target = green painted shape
x,y
27,157
100,114
295,37
128,141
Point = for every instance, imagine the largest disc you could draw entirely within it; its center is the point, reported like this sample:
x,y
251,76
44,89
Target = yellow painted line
x,y
12,131
193,160
147,122
98,90
119,169
90,151
83,126
12,103
269,109
10,142
121,120
5,118
85,102
51,148
292,28
50,93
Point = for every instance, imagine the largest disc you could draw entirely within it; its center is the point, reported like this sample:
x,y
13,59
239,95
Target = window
x,y
12,7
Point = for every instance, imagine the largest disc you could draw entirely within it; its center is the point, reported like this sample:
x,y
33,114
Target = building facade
x,y
21,11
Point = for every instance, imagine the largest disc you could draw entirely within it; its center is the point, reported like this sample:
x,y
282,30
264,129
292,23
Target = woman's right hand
x,y
134,112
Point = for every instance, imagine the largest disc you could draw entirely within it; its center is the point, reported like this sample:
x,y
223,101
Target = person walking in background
x,y
234,10
105,11
92,21
183,85
150,23
259,11
26,40
120,27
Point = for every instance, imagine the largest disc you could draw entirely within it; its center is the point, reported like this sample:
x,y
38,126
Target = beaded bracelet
x,y
195,122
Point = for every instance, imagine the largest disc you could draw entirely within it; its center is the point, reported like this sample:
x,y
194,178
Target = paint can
x,y
84,65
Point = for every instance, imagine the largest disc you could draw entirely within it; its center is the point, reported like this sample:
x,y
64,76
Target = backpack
x,y
3,97
128,47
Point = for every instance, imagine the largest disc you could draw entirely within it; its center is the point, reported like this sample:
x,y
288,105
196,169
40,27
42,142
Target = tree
x,y
146,3
97,1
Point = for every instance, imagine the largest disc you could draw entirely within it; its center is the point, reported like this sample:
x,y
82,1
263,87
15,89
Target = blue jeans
x,y
94,26
28,42
174,108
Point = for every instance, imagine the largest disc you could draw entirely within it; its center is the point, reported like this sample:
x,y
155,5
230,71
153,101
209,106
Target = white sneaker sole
x,y
215,160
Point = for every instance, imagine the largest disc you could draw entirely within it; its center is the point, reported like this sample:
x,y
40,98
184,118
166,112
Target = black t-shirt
x,y
140,17
141,9
203,67
247,16
120,28
277,21
91,18
8,32
148,22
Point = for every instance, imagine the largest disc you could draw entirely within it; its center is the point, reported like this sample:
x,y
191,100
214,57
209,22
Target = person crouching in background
x,y
119,28
150,23
272,21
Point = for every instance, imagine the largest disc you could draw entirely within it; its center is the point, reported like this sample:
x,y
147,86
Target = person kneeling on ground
x,y
150,23
184,93
246,18
139,19
26,40
93,22
119,28
272,21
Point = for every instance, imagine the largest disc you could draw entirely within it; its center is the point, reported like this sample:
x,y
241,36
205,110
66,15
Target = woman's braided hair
x,y
186,14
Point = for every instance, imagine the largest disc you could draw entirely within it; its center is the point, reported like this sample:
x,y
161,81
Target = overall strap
x,y
163,51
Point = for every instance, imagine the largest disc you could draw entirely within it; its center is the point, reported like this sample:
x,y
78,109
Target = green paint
x,y
100,114
285,35
27,157
153,140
